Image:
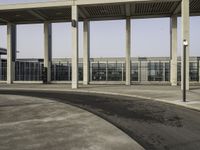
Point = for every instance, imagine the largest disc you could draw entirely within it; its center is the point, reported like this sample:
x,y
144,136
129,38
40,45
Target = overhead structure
x,y
58,11
90,10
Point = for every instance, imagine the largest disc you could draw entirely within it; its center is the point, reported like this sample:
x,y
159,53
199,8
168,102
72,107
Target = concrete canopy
x,y
60,11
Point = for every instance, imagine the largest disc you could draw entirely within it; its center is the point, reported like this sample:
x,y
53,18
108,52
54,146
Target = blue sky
x,y
150,37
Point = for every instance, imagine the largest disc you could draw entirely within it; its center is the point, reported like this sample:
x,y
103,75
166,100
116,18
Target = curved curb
x,y
109,93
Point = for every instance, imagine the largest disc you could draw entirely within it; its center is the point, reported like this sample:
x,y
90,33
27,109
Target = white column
x,y
173,50
185,36
144,71
128,51
163,64
86,52
11,52
48,49
74,47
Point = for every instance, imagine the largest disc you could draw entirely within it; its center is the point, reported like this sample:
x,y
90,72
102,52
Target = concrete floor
x,y
29,123
154,125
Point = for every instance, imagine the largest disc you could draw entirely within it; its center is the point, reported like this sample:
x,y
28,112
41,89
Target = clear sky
x,y
150,37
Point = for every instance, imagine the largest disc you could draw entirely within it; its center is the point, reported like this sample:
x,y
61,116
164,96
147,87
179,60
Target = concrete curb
x,y
183,104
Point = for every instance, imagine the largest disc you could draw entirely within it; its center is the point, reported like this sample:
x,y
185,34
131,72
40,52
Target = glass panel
x,y
59,72
80,71
28,71
114,72
99,71
167,71
194,72
134,72
155,71
3,75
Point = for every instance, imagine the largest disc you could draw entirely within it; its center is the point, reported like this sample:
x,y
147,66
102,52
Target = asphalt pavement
x,y
154,125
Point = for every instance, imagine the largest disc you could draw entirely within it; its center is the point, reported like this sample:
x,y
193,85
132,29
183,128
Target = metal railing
x,y
28,71
99,71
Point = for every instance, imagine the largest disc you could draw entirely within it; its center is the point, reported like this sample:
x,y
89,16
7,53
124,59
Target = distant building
x,y
144,70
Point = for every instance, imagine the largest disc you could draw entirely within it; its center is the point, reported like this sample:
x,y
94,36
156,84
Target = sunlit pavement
x,y
40,124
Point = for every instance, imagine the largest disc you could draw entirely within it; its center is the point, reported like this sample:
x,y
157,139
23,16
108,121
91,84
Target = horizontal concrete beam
x,y
36,5
70,3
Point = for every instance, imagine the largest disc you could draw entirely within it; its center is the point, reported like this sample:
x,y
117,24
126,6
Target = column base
x,y
128,83
9,82
74,86
85,83
187,89
174,84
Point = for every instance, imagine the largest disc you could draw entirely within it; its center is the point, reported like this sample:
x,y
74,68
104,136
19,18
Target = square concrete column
x,y
48,49
74,46
185,36
163,64
86,52
128,51
173,50
11,52
144,71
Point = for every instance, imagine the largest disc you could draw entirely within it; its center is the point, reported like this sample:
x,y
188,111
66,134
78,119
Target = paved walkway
x,y
39,124
154,92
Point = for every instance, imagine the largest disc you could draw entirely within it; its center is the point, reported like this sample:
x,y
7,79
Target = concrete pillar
x,y
128,51
163,64
185,36
144,71
173,50
74,46
86,52
11,52
48,49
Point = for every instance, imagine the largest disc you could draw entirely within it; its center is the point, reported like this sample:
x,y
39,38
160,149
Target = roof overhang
x,y
60,11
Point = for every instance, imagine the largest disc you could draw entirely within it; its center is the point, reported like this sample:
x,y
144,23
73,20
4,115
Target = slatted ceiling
x,y
14,16
195,5
54,14
153,8
104,10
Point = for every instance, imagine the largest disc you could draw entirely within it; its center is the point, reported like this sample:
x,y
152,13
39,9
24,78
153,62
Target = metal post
x,y
185,44
184,75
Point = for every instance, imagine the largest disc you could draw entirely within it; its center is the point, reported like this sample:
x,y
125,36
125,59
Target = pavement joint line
x,y
183,104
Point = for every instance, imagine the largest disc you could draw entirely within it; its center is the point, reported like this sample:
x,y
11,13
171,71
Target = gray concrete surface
x,y
168,94
154,125
40,124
